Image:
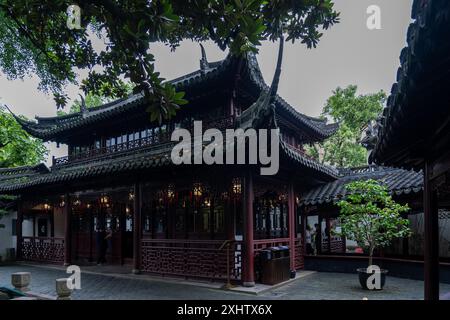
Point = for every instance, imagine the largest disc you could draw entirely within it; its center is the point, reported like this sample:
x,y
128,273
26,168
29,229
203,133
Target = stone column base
x,y
249,284
136,271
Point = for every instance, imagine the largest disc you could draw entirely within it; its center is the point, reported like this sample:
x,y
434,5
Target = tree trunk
x,y
370,255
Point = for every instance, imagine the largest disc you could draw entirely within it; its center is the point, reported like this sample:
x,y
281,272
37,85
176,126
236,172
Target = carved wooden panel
x,y
43,249
198,259
337,245
299,259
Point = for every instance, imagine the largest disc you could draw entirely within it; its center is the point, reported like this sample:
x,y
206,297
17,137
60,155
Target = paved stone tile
x,y
317,286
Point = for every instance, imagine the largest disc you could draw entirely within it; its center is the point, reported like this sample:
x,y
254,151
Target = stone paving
x,y
316,286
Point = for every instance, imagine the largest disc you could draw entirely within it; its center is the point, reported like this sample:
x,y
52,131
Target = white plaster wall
x,y
27,227
7,240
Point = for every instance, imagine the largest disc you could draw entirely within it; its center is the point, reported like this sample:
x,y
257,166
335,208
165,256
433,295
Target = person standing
x,y
308,240
317,239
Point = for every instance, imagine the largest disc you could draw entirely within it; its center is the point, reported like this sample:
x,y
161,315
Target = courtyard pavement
x,y
313,286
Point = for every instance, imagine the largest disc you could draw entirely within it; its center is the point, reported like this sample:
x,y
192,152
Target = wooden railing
x,y
267,243
126,146
43,249
161,138
191,258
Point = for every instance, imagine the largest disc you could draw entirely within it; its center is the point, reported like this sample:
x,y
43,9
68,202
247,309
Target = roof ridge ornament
x,y
204,65
264,105
18,119
83,107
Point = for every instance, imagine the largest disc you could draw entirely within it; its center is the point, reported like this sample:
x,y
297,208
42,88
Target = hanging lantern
x,y
198,189
62,202
104,199
127,210
170,192
237,186
131,196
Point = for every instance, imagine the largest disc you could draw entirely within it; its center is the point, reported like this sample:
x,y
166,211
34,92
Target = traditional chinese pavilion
x,y
185,220
415,128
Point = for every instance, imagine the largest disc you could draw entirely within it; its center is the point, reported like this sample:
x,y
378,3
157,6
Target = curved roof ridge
x,y
309,162
47,128
22,168
398,181
324,129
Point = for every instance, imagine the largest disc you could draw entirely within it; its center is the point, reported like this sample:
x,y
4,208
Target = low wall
x,y
409,269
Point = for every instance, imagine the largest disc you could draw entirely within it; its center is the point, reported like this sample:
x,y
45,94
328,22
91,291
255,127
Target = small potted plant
x,y
373,219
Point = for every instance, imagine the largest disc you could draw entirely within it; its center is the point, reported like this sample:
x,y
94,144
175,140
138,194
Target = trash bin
x,y
265,255
284,251
275,265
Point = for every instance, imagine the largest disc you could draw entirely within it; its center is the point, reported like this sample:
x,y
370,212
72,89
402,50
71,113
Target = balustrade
x,y
43,249
191,258
161,138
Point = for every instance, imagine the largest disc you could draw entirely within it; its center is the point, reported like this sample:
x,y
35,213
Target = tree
x,y
17,148
5,200
370,216
35,38
352,113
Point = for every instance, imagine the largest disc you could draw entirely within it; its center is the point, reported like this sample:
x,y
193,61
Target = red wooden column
x,y
291,212
248,272
68,230
137,216
431,231
304,221
19,230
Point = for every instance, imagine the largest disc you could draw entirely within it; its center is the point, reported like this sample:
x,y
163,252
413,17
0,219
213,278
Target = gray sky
x,y
348,53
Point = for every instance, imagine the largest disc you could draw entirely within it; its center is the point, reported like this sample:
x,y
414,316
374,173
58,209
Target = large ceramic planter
x,y
364,276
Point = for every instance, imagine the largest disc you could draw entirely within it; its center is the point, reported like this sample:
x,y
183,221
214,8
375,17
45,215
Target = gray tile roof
x,y
120,162
48,128
410,119
117,162
399,182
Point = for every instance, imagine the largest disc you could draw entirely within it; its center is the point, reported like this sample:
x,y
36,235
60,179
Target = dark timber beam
x,y
68,230
328,233
248,276
431,231
19,230
304,219
291,204
137,216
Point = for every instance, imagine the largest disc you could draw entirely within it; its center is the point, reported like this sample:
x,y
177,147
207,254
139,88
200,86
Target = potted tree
x,y
373,219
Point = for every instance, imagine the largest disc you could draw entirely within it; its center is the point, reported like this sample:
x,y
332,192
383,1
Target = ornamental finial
x,y
203,60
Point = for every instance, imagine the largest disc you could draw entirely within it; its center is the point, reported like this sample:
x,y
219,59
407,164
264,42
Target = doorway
x,y
103,221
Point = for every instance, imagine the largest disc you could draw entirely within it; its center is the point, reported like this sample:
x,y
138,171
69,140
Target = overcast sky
x,y
348,53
